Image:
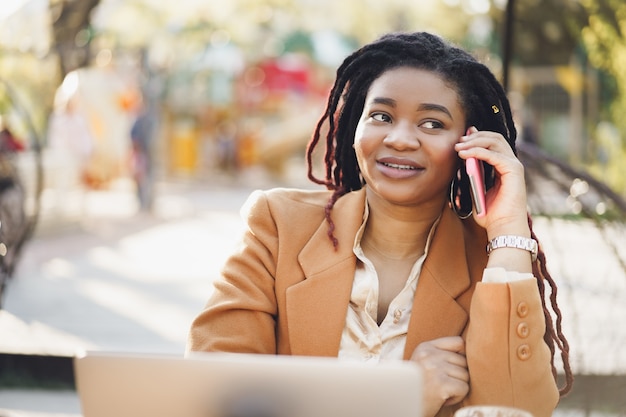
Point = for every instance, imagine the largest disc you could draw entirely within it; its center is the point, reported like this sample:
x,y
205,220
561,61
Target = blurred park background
x,y
234,84
154,99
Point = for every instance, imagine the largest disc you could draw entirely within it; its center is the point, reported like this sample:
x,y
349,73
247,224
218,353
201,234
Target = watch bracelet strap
x,y
512,241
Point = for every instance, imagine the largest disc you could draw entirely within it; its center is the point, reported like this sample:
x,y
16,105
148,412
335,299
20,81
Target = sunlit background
x,y
258,70
234,89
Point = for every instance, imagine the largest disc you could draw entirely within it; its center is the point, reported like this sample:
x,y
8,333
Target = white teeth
x,y
396,166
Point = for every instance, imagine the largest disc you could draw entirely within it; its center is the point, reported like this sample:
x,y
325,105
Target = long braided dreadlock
x,y
485,104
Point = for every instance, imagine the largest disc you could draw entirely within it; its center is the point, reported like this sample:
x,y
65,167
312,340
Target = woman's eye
x,y
432,124
381,117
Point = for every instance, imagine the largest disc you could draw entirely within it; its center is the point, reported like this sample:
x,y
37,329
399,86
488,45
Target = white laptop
x,y
243,385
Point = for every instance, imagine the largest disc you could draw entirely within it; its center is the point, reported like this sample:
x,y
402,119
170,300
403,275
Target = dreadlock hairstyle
x,y
486,107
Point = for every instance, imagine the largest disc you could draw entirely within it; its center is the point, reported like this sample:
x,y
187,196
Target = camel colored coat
x,y
286,291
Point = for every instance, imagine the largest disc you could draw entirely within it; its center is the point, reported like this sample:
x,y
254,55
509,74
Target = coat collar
x,y
319,254
444,277
317,306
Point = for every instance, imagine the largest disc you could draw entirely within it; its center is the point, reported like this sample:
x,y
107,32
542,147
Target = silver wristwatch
x,y
511,241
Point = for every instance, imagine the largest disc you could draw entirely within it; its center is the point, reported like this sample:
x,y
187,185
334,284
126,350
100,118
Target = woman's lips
x,y
398,168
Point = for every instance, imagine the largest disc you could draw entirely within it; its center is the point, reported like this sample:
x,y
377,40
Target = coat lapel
x,y
444,277
317,306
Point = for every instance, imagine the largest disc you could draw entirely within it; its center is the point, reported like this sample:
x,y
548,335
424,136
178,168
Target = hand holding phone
x,y
476,175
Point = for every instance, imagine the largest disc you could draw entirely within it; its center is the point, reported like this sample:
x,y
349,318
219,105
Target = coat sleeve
x,y
508,360
240,313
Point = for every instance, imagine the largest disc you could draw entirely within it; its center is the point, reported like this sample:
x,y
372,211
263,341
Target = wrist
x,y
513,227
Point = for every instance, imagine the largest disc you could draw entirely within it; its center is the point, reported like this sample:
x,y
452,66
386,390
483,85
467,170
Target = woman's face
x,y
404,141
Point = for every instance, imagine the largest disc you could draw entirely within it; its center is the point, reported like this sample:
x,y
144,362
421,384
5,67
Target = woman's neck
x,y
396,232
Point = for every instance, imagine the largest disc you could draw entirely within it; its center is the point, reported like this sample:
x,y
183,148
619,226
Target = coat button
x,y
523,330
522,309
523,352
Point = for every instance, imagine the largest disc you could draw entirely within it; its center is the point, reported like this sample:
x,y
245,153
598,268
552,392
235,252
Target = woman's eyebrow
x,y
435,107
422,107
384,100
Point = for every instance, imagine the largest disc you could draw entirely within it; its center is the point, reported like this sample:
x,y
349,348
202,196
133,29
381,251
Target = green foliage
x,y
604,38
546,32
27,85
610,156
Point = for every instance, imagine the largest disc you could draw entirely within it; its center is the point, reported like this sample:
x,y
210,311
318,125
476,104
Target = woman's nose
x,y
403,136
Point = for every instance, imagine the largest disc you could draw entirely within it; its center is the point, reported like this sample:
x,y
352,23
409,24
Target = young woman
x,y
388,263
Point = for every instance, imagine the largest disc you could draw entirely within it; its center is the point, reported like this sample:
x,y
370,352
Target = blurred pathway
x,y
118,279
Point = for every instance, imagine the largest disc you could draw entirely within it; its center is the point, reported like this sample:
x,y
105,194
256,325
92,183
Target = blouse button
x,y
522,309
523,330
397,314
523,352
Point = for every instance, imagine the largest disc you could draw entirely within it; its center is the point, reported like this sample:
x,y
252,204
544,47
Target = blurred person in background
x,y
392,262
70,146
227,145
142,165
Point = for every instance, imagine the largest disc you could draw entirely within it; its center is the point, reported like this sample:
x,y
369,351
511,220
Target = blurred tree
x,y
592,34
71,32
604,38
545,32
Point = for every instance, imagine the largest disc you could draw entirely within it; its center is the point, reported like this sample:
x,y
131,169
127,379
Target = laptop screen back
x,y
241,385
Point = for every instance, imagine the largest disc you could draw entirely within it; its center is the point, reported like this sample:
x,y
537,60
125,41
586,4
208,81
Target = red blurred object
x,y
8,142
287,73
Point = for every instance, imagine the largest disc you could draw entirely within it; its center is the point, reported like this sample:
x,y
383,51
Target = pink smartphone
x,y
476,175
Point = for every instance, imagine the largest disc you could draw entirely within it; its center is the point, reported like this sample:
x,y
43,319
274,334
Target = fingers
x,y
491,147
506,200
446,378
485,139
449,343
446,353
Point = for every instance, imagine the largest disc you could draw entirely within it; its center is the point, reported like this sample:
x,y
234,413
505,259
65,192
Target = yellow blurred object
x,y
184,147
571,79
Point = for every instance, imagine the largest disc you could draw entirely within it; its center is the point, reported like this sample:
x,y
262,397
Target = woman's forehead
x,y
414,82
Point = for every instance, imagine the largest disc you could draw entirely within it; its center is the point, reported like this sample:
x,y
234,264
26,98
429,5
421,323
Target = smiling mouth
x,y
398,166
